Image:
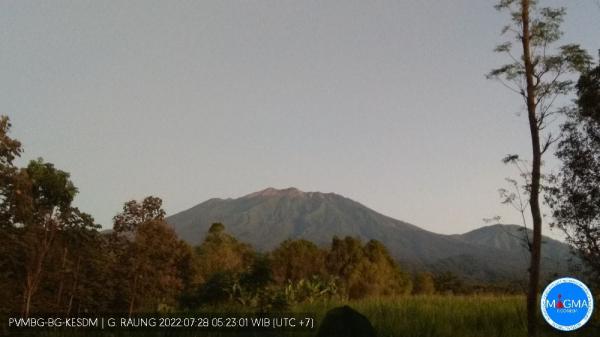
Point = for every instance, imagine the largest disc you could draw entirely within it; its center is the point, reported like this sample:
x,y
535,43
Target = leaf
x,y
510,158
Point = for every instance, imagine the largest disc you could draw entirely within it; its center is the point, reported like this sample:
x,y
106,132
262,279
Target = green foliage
x,y
448,283
295,260
446,316
365,271
135,213
149,257
293,273
259,276
221,252
424,284
221,287
225,270
40,195
539,75
40,222
10,148
310,290
550,65
344,256
575,196
588,94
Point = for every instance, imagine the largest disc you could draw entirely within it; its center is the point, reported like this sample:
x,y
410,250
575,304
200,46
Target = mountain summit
x,y
266,218
271,192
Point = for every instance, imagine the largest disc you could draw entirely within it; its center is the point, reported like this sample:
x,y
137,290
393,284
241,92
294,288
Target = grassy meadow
x,y
449,316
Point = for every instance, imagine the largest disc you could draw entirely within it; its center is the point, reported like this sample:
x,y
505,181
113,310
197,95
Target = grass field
x,y
450,316
411,316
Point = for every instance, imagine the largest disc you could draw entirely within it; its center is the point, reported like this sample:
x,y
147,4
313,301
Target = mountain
x,y
266,218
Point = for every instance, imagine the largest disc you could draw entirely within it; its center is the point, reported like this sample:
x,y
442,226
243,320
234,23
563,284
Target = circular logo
x,y
567,304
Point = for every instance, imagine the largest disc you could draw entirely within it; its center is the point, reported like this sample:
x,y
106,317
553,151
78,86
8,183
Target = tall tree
x,y
78,247
41,231
10,149
149,255
537,74
40,207
575,199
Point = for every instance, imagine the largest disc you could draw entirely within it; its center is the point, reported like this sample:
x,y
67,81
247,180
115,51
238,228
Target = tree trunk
x,y
534,202
34,273
35,265
75,284
62,278
26,301
132,298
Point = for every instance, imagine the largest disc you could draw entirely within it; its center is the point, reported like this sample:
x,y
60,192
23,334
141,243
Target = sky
x,y
384,102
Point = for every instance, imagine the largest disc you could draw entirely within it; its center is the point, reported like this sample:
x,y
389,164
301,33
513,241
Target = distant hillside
x,y
266,218
556,256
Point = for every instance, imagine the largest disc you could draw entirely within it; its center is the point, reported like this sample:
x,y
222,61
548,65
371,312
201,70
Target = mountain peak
x,y
266,218
271,192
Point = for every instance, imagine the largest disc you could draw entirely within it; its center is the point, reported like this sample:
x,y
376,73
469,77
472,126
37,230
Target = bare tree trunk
x,y
32,282
75,284
34,269
62,278
26,301
534,268
35,265
133,292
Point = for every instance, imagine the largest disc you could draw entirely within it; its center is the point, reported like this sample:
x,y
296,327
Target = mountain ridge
x,y
266,218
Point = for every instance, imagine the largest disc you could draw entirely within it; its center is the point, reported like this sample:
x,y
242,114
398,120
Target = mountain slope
x,y
557,257
266,218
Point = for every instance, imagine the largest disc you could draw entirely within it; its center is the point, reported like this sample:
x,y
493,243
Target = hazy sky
x,y
384,102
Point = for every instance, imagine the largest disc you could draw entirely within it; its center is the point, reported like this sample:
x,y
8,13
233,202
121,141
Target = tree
x,y
223,265
588,94
148,254
86,278
295,260
221,252
343,256
575,199
41,233
38,218
10,149
135,214
424,284
538,76
40,205
366,270
76,246
449,283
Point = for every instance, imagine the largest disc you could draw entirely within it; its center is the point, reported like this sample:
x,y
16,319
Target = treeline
x,y
54,258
